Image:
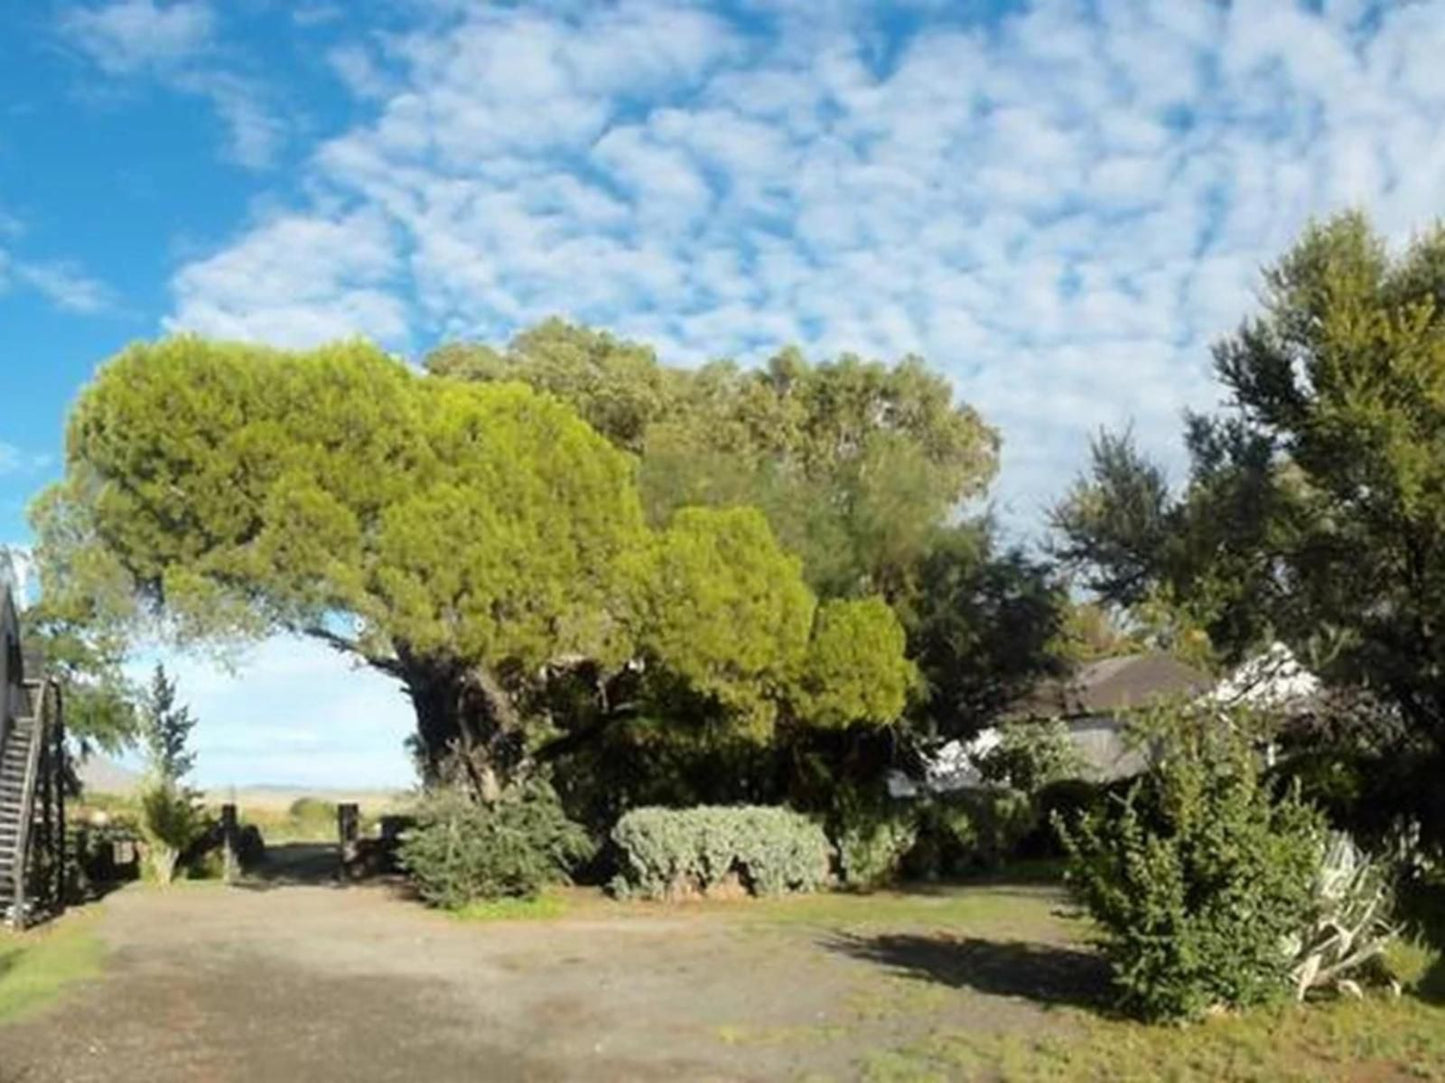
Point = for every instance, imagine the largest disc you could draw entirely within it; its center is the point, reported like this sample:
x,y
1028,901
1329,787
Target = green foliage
x,y
166,730
236,490
971,829
1198,876
1116,522
76,636
170,820
854,463
462,850
855,670
616,386
171,817
982,628
1031,755
729,612
477,540
1315,504
677,853
874,833
1090,631
311,817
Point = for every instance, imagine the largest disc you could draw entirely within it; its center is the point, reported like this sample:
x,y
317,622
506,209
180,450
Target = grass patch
x,y
37,966
1380,1037
544,907
1023,910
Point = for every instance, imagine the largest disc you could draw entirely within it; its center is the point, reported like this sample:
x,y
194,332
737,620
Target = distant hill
x,y
101,775
277,798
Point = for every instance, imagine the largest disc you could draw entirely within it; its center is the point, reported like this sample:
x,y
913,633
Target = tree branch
x,y
345,645
570,742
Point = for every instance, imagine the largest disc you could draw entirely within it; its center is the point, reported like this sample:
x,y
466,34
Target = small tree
x,y
171,818
1199,876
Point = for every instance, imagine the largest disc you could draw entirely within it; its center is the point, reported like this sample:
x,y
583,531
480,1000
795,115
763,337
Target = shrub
x,y
462,850
170,821
970,829
1067,800
873,836
313,816
1198,877
1031,755
676,853
1348,927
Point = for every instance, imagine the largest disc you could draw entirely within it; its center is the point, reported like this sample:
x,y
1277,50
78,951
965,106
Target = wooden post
x,y
348,824
230,837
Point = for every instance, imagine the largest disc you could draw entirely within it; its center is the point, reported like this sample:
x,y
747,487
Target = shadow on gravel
x,y
296,864
1043,973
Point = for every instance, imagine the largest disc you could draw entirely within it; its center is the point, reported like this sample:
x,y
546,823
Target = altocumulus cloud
x,y
175,44
1060,206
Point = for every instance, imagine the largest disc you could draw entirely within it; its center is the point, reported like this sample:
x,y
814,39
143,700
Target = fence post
x,y
230,837
348,824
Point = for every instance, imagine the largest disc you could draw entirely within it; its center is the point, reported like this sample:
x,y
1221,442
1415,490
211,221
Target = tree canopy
x,y
1315,504
855,463
478,540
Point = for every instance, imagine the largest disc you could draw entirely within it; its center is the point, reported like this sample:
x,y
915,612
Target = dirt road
x,y
289,981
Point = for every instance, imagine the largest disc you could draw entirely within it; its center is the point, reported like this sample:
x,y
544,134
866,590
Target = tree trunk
x,y
469,730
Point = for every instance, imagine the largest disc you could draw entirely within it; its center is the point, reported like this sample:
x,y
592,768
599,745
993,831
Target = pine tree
x,y
167,729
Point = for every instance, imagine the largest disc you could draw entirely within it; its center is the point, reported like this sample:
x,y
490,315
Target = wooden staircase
x,y
17,771
32,785
32,809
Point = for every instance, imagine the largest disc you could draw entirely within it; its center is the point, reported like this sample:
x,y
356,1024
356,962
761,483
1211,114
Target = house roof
x,y
1274,679
1112,685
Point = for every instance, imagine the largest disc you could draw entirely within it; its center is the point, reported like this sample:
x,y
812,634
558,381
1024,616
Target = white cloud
x,y
127,36
297,280
63,283
254,134
66,286
1059,210
177,45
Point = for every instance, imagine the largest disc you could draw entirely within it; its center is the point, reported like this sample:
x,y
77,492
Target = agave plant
x,y
1349,927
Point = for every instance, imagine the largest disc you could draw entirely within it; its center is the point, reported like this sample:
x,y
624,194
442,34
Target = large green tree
x,y
1315,508
855,463
478,541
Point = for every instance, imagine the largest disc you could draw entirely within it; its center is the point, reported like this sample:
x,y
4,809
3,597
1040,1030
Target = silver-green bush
x,y
1349,924
676,853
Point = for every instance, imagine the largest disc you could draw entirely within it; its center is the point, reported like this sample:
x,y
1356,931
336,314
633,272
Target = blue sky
x,y
1059,203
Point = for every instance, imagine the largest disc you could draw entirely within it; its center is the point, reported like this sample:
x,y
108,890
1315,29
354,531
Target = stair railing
x,y
35,691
